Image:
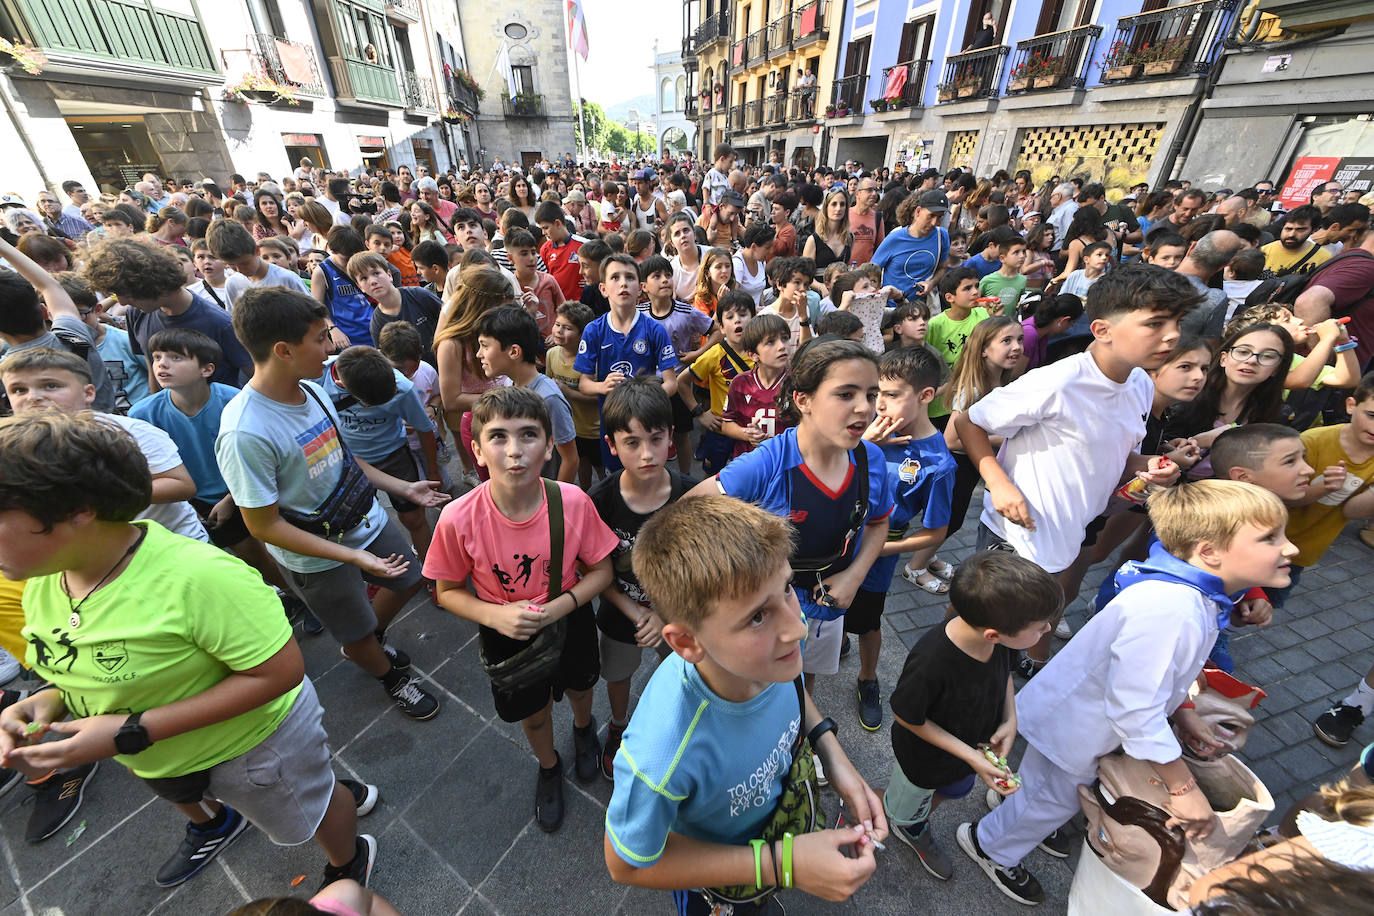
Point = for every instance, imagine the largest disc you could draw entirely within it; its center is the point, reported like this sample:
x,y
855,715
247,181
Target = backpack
x,y
1285,289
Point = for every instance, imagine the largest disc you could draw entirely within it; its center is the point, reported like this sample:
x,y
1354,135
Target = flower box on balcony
x,y
1046,82
1019,85
1123,73
966,91
1162,67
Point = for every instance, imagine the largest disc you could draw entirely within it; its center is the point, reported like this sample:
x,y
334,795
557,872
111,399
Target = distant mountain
x,y
619,111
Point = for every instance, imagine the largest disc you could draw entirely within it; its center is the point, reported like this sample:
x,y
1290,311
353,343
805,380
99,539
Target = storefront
x,y
373,150
423,150
1330,149
305,146
118,152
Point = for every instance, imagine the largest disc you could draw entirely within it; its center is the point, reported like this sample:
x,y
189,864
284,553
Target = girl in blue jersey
x,y
830,483
350,312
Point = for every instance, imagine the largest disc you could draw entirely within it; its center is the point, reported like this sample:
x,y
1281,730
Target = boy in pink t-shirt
x,y
498,534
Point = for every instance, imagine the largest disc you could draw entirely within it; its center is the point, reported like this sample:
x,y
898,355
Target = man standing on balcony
x,y
865,222
986,36
807,84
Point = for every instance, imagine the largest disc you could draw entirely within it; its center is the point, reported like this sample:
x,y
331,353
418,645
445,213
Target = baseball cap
x,y
12,200
644,175
934,201
575,197
733,198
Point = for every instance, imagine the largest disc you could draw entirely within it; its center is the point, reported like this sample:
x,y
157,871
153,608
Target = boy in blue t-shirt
x,y
623,342
700,770
922,470
375,402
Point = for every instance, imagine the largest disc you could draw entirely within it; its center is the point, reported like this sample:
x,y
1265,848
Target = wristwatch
x,y
132,738
825,725
804,323
700,409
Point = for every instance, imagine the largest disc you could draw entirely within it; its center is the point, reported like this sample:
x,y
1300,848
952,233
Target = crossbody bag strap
x,y
734,357
330,417
554,496
801,704
1301,261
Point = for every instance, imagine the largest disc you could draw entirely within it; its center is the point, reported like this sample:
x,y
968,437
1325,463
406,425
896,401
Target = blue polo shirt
x,y
907,261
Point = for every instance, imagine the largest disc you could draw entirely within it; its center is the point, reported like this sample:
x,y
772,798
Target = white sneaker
x,y
820,771
992,799
1062,629
9,667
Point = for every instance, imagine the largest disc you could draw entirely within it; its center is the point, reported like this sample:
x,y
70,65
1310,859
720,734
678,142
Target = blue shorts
x,y
906,803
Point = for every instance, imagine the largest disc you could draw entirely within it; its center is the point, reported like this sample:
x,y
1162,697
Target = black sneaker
x,y
844,647
364,796
613,736
870,706
199,847
399,659
360,869
934,859
1336,725
1028,667
548,797
1017,883
56,800
1057,844
412,700
586,752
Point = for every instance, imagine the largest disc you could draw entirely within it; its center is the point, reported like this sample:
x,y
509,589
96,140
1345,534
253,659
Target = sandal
x,y
938,587
1367,536
941,569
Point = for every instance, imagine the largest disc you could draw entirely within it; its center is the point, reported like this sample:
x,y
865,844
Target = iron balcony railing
x,y
753,114
419,92
712,29
801,105
689,105
1178,41
808,24
847,96
737,56
757,49
736,119
522,106
462,95
779,36
912,91
405,10
288,62
972,74
1057,60
775,109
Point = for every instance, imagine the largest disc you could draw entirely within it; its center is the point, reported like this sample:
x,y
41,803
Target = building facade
x,y
519,54
676,133
190,91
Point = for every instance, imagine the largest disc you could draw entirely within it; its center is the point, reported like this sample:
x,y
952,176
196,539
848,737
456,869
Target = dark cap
x,y
643,175
934,201
733,198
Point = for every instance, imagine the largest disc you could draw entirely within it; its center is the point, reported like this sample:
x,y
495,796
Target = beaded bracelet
x,y
1184,789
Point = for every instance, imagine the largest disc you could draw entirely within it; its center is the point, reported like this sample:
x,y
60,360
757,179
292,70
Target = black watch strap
x,y
825,725
132,737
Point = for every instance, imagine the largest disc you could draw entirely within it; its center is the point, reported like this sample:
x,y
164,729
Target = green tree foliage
x,y
595,118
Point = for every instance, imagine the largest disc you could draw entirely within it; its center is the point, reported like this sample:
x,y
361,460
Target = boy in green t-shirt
x,y
171,656
949,330
1007,282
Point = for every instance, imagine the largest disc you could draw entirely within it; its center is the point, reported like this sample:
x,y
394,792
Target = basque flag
x,y
577,28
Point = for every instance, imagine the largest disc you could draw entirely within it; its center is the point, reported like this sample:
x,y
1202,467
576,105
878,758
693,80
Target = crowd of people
x,y
724,406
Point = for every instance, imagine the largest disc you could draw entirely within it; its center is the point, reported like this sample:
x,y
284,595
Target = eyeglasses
x,y
1261,357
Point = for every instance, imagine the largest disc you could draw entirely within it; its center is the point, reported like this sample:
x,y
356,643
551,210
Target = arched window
x,y
666,101
681,92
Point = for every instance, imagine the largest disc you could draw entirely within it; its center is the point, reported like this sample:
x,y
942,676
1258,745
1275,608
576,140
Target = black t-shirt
x,y
965,697
420,307
591,297
625,522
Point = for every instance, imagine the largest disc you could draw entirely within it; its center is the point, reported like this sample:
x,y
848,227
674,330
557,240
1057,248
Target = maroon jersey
x,y
750,403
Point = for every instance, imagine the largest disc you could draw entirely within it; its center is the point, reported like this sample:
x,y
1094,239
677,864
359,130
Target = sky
x,y
620,39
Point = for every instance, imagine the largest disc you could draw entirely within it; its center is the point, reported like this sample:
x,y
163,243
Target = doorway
x,y
118,152
529,159
308,146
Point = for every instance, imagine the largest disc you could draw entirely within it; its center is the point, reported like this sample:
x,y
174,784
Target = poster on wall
x,y
1308,172
1355,174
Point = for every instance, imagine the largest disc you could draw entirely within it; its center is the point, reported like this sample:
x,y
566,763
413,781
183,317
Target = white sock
x,y
1363,697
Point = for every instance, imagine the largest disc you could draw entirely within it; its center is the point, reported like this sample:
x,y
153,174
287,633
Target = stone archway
x,y
674,138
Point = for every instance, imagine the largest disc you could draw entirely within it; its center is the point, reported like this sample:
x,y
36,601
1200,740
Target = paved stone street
x,y
455,827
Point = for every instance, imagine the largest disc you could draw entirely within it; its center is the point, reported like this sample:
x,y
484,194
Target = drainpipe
x,y
24,136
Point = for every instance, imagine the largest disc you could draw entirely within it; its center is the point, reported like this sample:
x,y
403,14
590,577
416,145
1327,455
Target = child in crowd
x,y
572,318
511,537
1318,343
854,292
716,278
717,368
589,258
949,330
922,471
1240,277
235,246
909,323
371,273
299,488
469,293
686,327
683,814
841,324
127,371
348,309
559,251
793,277
716,183
1006,283
279,253
1052,316
216,283
752,413
989,247
1096,258
508,344
539,291
958,249
431,265
1165,249
400,343
381,242
955,695
832,483
1038,267
213,673
1101,395
638,421
623,342
376,404
1128,671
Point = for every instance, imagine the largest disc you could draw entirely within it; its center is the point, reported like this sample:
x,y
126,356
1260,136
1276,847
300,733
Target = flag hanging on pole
x,y
577,28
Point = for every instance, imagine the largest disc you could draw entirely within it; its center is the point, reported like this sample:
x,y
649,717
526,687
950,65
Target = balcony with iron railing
x,y
904,86
972,75
463,96
801,105
808,24
402,12
847,96
736,118
712,29
419,92
1057,60
289,63
523,105
756,49
775,109
737,56
689,106
779,36
1177,41
753,114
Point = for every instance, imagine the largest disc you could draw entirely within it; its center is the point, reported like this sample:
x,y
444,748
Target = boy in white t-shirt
x,y
1072,429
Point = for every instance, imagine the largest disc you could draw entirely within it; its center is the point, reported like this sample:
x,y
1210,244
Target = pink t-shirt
x,y
508,560
550,296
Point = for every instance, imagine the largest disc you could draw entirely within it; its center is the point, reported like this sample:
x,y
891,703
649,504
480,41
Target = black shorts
x,y
1093,530
589,451
865,612
579,668
400,463
682,416
181,790
234,530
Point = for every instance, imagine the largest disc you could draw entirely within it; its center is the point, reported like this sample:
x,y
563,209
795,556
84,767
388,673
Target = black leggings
x,y
965,480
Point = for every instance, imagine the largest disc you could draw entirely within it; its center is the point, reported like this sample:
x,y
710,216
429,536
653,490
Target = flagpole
x,y
581,122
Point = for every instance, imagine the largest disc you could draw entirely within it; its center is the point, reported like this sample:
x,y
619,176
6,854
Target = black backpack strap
x,y
554,495
734,357
801,703
861,468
